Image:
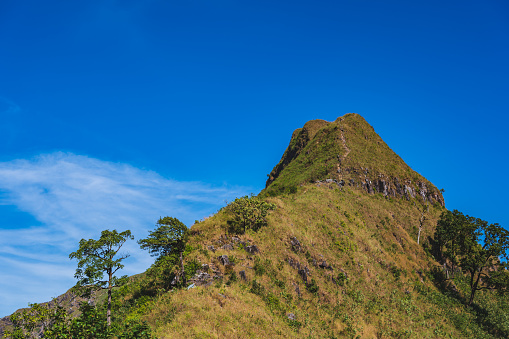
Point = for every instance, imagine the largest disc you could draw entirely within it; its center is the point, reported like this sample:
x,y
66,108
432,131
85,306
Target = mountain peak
x,y
349,152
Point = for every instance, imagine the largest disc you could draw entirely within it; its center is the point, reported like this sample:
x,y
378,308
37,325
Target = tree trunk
x,y
182,272
473,286
421,223
108,312
471,298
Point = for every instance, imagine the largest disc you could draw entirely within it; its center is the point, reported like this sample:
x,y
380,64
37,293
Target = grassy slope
x,y
391,291
370,238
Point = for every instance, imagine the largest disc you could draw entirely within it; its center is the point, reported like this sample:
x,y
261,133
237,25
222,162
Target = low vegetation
x,y
247,213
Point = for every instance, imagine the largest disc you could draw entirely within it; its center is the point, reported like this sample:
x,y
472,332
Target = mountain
x,y
350,151
347,252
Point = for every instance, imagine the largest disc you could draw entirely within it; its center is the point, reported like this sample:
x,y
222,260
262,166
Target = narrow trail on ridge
x,y
344,144
347,150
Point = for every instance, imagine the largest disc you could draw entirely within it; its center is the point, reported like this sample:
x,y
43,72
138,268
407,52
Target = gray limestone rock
x,y
227,247
243,275
297,289
303,274
201,278
252,249
223,259
324,265
295,244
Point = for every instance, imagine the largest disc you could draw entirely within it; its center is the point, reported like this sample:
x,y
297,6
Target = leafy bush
x,y
247,213
279,283
232,278
257,288
162,271
341,279
232,259
312,287
258,267
273,303
191,267
292,189
134,329
294,324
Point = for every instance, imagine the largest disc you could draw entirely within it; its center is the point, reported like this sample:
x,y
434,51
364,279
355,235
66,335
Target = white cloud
x,y
75,197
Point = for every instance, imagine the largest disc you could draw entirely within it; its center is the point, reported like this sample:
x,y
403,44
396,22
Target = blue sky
x,y
114,113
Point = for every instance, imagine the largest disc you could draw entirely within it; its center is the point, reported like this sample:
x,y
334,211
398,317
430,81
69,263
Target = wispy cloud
x,y
74,197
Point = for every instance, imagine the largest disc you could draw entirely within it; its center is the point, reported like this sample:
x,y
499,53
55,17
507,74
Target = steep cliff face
x,y
349,152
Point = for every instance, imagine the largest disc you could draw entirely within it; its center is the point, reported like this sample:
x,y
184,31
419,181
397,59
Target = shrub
x,y
134,329
279,283
257,288
292,189
232,278
258,267
247,213
312,287
341,279
191,267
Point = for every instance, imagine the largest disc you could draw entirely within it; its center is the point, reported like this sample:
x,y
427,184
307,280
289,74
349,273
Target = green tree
x,y
248,212
43,321
479,248
167,242
451,229
89,325
168,238
33,321
99,257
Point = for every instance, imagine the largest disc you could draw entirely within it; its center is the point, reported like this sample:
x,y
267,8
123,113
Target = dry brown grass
x,y
371,238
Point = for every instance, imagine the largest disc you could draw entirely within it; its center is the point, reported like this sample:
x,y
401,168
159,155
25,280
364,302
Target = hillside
x,y
338,257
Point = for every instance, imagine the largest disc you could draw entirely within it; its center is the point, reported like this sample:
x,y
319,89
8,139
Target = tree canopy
x,y
167,242
99,257
479,248
45,321
168,238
